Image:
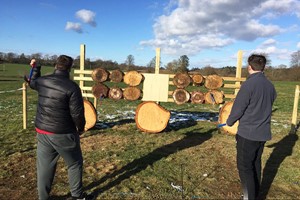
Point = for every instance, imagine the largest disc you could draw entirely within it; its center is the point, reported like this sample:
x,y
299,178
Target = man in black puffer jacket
x,y
59,122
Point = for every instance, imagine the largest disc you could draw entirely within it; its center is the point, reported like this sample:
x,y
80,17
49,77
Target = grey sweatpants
x,y
49,149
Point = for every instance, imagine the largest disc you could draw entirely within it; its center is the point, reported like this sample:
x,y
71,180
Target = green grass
x,y
121,162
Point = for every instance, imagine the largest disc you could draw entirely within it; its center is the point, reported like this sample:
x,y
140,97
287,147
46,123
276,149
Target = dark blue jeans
x,y
249,165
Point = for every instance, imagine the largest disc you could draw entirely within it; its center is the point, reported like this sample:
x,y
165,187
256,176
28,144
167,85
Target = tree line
x,y
278,73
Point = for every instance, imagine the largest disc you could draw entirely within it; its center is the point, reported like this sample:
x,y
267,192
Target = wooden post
x,y
238,70
157,61
24,88
82,59
295,111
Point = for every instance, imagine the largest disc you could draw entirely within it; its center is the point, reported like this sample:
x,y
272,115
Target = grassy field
x,y
121,162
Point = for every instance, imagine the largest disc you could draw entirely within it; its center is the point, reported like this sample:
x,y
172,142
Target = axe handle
x,y
221,125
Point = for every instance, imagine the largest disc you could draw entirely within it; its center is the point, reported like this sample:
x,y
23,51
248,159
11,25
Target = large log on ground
x,y
133,78
198,79
116,76
214,97
100,90
197,97
223,116
181,96
181,80
151,117
100,75
132,93
90,115
213,82
115,93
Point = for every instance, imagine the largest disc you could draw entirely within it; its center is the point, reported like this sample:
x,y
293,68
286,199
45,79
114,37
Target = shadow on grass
x,y
191,139
282,149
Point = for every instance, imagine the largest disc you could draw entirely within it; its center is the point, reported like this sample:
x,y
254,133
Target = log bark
x,y
181,80
133,78
90,115
197,97
116,76
213,82
132,93
223,116
100,90
115,93
151,117
181,96
100,75
214,97
198,79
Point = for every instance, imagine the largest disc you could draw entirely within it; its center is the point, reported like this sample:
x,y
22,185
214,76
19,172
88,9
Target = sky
x,y
209,32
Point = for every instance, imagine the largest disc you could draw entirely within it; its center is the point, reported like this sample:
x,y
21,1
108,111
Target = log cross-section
x,y
151,117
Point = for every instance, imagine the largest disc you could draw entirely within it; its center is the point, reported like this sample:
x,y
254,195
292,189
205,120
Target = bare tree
x,y
295,59
129,61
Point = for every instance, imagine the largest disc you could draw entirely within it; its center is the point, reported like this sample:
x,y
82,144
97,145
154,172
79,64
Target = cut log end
x,y
115,93
100,90
151,117
116,76
213,82
132,93
197,97
181,96
223,116
214,97
133,78
181,80
100,75
90,115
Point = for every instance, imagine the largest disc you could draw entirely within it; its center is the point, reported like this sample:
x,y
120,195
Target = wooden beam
x,y
238,70
295,110
157,61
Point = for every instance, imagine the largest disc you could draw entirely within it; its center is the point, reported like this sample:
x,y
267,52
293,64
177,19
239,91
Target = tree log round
x,y
133,78
223,116
99,75
213,82
100,90
151,117
116,76
132,93
214,97
197,97
115,93
90,115
198,79
181,80
181,96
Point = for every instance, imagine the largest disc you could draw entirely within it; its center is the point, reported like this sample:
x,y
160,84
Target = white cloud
x,y
269,42
87,16
298,45
74,26
194,25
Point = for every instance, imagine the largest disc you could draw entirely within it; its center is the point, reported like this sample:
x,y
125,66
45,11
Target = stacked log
x,y
214,97
132,93
115,93
181,96
133,78
213,82
151,117
198,79
100,90
181,80
197,97
116,76
100,75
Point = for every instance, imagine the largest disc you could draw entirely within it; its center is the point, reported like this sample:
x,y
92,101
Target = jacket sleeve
x,y
35,75
77,109
240,104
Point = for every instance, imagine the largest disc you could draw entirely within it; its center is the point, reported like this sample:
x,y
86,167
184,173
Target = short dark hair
x,y
64,62
257,62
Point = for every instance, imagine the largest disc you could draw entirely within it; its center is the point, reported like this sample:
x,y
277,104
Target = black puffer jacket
x,y
60,107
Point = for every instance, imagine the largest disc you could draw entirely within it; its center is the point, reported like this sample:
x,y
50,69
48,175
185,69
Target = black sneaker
x,y
84,196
